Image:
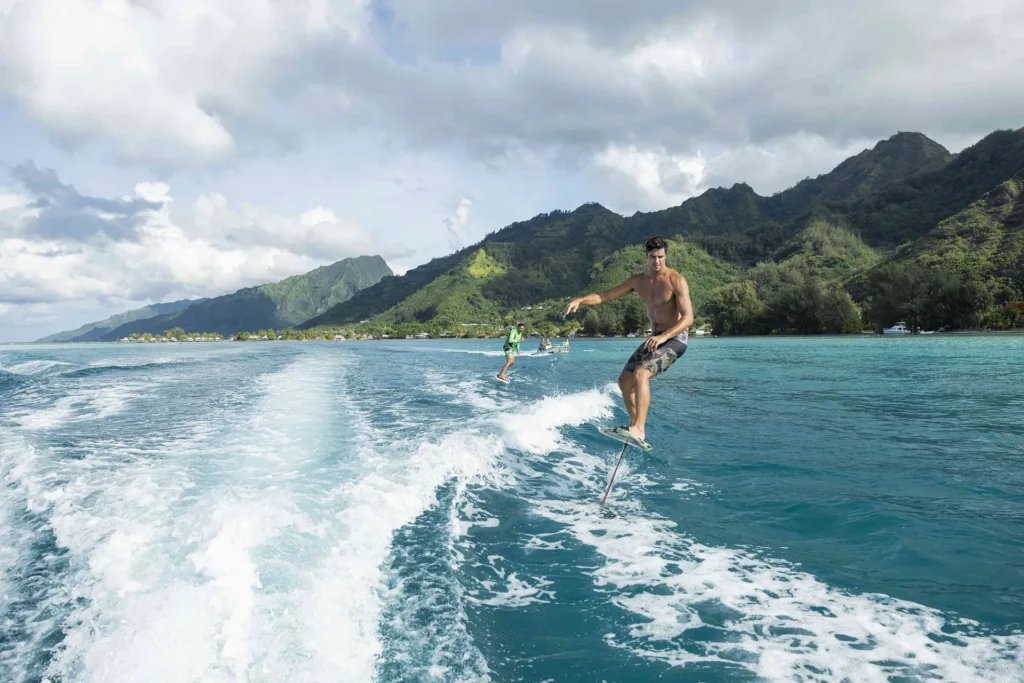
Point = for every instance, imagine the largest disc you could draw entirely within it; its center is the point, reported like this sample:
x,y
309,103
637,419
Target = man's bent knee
x,y
642,375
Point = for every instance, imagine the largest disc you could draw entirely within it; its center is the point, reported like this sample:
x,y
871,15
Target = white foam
x,y
94,403
783,623
164,580
691,487
537,429
463,390
136,361
109,519
32,367
345,605
516,592
509,590
538,543
474,352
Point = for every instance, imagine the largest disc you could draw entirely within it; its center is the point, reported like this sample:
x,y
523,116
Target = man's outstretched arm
x,y
612,294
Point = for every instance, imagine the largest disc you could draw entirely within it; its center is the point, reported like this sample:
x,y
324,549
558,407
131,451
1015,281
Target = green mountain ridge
x,y
984,242
891,194
802,291
545,256
971,262
95,331
805,259
275,305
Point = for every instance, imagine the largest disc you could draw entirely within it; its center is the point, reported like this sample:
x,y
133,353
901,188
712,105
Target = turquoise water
x,y
814,509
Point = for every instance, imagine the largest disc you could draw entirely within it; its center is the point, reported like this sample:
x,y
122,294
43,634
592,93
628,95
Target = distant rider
x,y
515,336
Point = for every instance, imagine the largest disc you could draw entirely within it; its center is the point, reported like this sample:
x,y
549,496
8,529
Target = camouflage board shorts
x,y
660,359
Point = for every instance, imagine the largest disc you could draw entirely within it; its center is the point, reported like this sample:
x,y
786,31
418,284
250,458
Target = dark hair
x,y
656,243
520,324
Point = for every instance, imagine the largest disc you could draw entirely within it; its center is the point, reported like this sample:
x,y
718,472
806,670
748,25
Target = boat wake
x,y
315,520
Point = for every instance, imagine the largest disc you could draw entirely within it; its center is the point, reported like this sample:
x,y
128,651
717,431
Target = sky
x,y
155,150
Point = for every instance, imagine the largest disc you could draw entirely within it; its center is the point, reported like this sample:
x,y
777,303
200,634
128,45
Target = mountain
x,y
801,291
885,209
827,251
951,277
982,244
552,255
907,209
890,161
704,273
547,256
94,331
272,306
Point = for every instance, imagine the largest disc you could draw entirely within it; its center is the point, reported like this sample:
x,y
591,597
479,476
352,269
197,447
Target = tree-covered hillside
x,y
275,305
896,191
902,231
95,331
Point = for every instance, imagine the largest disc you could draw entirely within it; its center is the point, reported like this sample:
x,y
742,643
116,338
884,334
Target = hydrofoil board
x,y
622,435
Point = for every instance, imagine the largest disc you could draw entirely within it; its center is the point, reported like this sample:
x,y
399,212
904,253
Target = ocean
x,y
813,509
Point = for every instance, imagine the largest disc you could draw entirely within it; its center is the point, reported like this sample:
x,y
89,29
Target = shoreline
x,y
854,335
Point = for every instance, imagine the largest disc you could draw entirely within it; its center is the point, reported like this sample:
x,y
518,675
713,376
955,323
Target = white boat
x,y
898,328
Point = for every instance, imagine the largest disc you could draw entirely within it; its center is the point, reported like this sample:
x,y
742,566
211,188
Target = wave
x,y
32,367
699,604
493,354
98,369
243,550
707,604
286,537
88,403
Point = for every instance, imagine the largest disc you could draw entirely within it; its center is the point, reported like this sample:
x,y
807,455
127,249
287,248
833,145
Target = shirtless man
x,y
667,298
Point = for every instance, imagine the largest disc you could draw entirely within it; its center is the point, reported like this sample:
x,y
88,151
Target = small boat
x,y
898,328
564,348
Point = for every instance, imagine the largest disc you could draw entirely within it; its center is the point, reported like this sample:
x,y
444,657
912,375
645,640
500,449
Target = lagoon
x,y
818,509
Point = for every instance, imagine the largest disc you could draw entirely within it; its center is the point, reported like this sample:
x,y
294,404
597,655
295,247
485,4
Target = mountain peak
x,y
912,144
903,155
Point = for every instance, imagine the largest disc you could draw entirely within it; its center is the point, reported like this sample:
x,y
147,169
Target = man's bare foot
x,y
638,433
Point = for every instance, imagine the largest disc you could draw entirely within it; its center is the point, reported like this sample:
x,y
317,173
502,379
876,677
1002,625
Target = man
x,y
515,336
666,295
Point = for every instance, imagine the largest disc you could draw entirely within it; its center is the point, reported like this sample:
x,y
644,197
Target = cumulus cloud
x,y
164,80
648,179
313,233
59,211
458,225
59,246
581,76
172,82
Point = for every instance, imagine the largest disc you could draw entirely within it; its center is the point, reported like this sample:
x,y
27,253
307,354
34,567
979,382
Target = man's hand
x,y
571,307
654,341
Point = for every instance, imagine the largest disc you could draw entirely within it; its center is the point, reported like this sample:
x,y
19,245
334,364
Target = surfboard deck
x,y
503,381
629,441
